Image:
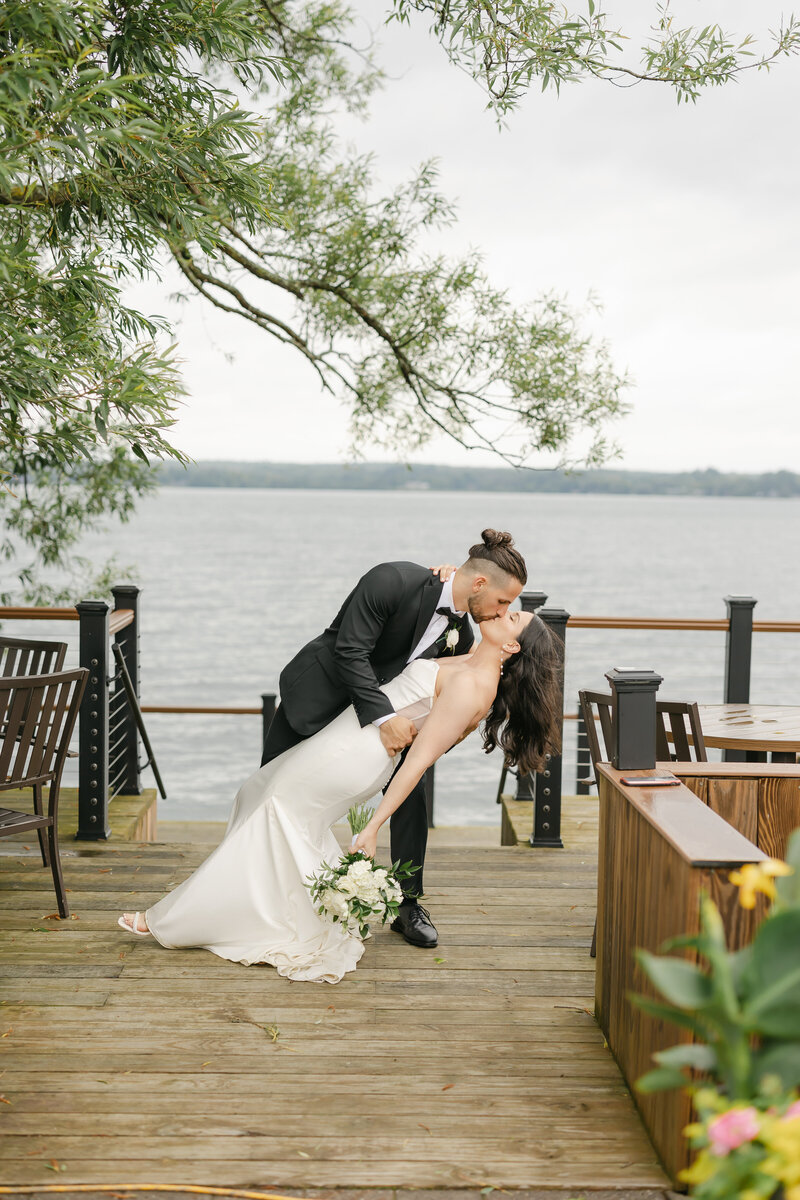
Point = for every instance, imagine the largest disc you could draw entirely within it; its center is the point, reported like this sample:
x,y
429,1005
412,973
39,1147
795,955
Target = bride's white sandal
x,y
133,928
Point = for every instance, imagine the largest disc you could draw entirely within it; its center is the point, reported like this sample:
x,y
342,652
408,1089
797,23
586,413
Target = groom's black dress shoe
x,y
416,926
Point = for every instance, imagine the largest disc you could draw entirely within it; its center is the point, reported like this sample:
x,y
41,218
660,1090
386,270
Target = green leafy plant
x,y
510,44
743,1007
197,133
743,1010
745,1151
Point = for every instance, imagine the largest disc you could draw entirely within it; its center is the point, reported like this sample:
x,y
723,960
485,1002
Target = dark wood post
x,y
93,723
738,656
127,776
634,718
529,602
547,788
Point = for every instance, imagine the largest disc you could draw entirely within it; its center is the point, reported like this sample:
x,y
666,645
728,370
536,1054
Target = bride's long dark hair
x,y
525,717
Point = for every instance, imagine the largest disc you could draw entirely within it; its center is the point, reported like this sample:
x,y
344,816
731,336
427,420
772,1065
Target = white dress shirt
x,y
437,625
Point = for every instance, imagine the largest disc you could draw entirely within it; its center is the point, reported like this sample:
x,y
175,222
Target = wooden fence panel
x,y
660,848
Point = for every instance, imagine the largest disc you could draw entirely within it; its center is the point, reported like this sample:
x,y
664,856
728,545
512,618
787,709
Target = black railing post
x,y
738,657
127,775
267,713
530,601
634,718
583,760
547,793
526,788
93,723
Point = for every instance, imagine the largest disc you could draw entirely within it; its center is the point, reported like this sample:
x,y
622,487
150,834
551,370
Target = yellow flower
x,y
758,877
703,1167
783,1141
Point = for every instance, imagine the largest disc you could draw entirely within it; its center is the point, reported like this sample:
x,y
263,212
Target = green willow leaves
x,y
137,134
510,44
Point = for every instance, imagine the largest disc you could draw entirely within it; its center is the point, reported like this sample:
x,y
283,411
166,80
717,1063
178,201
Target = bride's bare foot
x,y
133,922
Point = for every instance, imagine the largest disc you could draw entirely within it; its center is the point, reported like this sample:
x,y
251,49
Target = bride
x,y
248,902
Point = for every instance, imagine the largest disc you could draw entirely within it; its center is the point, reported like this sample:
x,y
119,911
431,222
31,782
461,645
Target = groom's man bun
x,y
497,548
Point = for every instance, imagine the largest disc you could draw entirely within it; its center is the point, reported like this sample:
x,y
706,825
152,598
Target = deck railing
x,y
545,790
109,762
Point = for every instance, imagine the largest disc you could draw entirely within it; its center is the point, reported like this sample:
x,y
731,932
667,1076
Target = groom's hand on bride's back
x,y
396,734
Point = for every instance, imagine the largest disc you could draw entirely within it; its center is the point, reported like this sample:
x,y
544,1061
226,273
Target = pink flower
x,y
792,1111
731,1129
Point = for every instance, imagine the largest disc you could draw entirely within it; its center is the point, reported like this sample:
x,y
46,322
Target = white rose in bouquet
x,y
357,890
335,904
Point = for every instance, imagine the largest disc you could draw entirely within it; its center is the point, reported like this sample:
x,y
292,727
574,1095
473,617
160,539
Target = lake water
x,y
235,580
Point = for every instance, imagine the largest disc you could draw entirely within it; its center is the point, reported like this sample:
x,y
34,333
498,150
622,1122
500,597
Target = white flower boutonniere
x,y
451,640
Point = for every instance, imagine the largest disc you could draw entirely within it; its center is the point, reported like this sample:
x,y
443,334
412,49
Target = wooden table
x,y
756,729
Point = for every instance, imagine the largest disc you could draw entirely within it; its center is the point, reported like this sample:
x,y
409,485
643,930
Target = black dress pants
x,y
408,829
408,826
280,736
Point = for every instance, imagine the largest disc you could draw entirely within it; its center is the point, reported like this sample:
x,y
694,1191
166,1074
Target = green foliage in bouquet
x,y
356,890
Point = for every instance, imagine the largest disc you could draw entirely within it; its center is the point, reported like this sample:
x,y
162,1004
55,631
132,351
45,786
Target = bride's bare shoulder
x,y
467,687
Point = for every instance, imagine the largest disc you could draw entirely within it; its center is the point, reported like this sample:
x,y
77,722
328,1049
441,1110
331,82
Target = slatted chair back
x,y
37,716
683,719
596,710
20,656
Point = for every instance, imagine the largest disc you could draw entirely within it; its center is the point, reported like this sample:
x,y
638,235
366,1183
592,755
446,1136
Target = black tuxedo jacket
x,y
367,644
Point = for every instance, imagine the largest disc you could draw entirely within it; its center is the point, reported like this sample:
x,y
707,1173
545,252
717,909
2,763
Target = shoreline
x,y
424,478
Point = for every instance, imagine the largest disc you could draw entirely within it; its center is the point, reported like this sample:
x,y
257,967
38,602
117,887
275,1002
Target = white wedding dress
x,y
248,902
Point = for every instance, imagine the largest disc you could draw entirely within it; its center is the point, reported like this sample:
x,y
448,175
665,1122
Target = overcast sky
x,y
682,221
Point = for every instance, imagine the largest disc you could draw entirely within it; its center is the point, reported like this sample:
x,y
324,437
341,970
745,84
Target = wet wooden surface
x,y
475,1065
751,726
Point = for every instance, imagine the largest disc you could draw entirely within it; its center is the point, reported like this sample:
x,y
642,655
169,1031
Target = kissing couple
x,y
392,684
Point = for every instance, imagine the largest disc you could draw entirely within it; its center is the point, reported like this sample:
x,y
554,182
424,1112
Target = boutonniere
x,y
451,641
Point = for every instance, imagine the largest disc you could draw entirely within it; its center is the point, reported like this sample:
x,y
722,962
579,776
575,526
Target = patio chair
x,y
37,715
682,717
20,656
687,733
596,710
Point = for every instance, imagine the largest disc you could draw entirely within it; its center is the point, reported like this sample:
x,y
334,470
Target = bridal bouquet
x,y
357,891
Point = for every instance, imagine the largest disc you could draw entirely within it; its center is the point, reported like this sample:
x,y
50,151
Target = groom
x,y
397,612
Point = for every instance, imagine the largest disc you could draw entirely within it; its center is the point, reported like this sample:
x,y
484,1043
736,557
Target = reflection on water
x,y
234,581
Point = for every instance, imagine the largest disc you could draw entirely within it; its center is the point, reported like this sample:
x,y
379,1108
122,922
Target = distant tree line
x,y
397,477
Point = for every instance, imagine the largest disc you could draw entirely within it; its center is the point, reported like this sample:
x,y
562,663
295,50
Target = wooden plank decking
x,y
476,1065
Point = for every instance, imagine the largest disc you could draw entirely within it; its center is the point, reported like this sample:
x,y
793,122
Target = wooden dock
x,y
474,1066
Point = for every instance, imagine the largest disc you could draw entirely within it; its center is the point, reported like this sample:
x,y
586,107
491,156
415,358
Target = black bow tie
x,y
444,611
